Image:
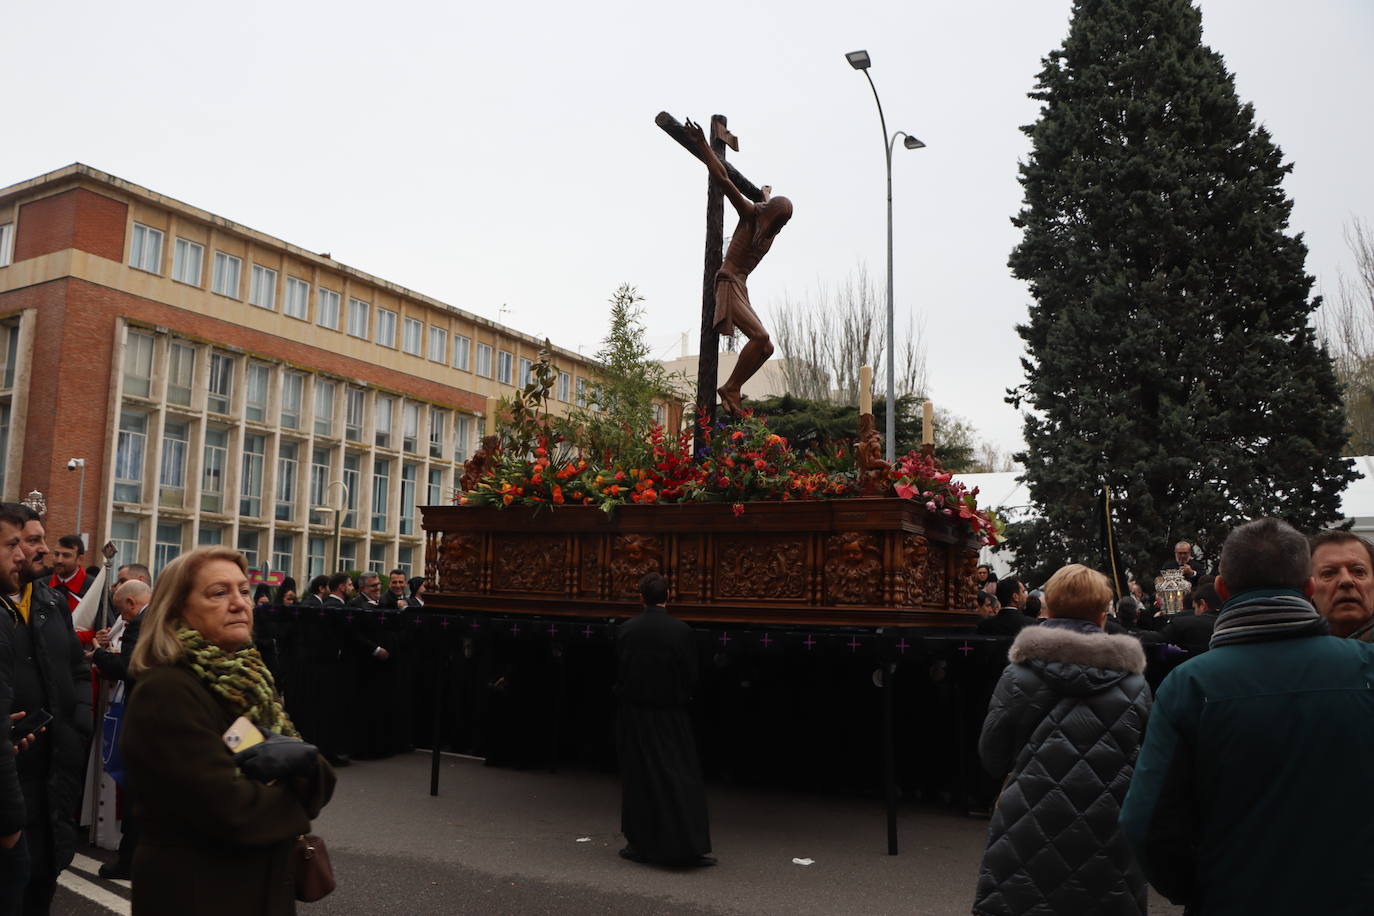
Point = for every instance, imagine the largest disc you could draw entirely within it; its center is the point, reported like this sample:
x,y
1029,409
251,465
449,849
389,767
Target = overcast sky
x,y
505,153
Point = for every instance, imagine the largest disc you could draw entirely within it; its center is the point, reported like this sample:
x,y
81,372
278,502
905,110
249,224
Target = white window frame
x,y
222,359
462,352
291,381
177,372
327,308
187,269
526,372
438,344
145,249
564,386
219,276
386,327
257,382
262,289
323,421
6,244
505,366
484,360
412,336
296,303
138,363
358,314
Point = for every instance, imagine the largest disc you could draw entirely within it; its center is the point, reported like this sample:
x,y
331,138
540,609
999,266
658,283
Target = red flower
x,y
738,509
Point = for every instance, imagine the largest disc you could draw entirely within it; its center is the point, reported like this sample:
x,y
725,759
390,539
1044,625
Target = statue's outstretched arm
x,y
743,205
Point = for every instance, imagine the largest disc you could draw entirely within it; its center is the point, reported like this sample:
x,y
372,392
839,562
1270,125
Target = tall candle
x,y
865,390
928,423
491,416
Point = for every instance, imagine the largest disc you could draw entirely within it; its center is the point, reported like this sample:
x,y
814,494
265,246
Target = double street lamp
x,y
860,60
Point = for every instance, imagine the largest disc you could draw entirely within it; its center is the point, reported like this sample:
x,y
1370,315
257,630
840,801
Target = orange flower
x,y
507,499
558,495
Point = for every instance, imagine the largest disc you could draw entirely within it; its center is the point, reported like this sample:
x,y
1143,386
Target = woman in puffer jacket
x,y
1063,727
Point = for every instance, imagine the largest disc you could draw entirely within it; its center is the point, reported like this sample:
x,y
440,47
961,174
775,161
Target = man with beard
x,y
50,673
1343,576
69,578
14,860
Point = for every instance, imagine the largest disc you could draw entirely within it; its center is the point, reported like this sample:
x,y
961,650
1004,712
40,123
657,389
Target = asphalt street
x,y
498,841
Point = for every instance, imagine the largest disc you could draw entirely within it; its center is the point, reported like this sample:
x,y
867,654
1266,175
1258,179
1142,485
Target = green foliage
x,y
1169,352
811,425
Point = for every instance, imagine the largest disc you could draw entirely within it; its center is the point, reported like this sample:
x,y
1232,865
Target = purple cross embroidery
x,y
766,640
853,643
472,625
552,630
515,628
725,639
965,648
902,645
587,632
444,623
418,620
348,617
808,642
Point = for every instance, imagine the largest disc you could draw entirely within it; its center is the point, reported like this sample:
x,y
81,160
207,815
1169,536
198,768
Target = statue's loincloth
x,y
732,302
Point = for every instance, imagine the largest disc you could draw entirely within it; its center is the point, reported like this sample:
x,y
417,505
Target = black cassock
x,y
663,799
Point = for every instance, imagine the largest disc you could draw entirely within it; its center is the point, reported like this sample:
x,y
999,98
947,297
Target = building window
x,y
405,560
181,373
462,437
386,327
581,392
129,449
436,433
249,542
250,493
320,464
314,558
564,386
434,492
6,244
438,345
504,363
255,396
383,418
292,391
138,364
348,556
526,372
187,258
283,549
286,480
410,475
462,348
146,251
262,292
221,392
352,479
213,469
225,279
167,547
209,536
381,487
353,414
124,536
10,353
176,446
413,333
376,558
324,407
484,360
357,317
327,309
410,426
297,303
4,442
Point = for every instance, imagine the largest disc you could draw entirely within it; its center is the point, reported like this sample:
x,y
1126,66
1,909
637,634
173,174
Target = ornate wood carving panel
x,y
761,567
914,570
633,556
589,566
853,569
689,567
460,563
528,563
936,576
963,589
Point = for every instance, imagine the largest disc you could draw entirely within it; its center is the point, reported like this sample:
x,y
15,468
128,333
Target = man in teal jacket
x,y
1249,792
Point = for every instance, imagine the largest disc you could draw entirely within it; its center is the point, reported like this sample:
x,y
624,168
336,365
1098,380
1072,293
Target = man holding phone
x,y
14,855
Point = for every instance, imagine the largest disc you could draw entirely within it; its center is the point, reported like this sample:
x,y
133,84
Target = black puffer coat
x,y
1064,726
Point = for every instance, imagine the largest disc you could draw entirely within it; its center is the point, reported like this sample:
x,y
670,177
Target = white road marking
x,y
94,892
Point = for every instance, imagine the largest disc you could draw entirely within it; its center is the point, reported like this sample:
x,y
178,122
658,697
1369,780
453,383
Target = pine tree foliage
x,y
1169,350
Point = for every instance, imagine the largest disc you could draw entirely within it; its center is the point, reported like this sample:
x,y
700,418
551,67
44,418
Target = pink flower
x,y
905,491
930,506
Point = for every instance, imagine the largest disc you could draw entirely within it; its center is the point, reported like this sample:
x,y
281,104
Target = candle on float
x,y
491,416
928,423
865,390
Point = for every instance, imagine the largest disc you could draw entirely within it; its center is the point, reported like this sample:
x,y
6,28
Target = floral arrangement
x,y
740,462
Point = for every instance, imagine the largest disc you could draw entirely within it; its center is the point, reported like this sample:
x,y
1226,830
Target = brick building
x,y
222,384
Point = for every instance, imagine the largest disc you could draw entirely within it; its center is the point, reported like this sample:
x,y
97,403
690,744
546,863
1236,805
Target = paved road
x,y
498,841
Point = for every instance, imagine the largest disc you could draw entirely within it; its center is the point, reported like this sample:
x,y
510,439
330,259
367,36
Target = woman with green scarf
x,y
215,840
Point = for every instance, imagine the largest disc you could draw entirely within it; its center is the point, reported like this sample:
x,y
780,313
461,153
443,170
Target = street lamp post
x,y
860,60
338,518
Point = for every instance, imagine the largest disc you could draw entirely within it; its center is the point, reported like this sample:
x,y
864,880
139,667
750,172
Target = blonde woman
x,y
215,841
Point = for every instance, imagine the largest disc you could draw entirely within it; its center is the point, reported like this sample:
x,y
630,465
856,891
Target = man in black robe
x,y
663,799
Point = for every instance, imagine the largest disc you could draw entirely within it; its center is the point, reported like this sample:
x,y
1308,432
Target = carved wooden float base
x,y
857,562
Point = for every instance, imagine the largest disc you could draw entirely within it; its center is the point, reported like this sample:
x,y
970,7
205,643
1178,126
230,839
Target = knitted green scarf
x,y
240,679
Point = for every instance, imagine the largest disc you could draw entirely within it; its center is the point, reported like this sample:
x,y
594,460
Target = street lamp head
x,y
858,60
912,143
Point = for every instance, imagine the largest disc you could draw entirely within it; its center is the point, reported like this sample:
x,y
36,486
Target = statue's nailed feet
x,y
729,399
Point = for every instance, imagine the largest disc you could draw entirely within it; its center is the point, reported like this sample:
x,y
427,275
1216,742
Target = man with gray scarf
x,y
1246,796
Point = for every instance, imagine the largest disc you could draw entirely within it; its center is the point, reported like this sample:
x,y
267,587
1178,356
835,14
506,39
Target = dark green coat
x,y
214,842
1251,790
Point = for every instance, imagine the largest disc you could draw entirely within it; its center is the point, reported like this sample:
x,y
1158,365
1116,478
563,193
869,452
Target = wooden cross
x,y
708,359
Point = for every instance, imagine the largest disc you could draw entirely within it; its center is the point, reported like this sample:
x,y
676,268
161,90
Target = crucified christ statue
x,y
759,224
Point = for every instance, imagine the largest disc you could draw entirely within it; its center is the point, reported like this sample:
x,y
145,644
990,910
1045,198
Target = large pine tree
x,y
1169,352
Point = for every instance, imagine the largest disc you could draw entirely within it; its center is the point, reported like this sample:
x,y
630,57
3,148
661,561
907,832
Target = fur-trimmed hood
x,y
1077,661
